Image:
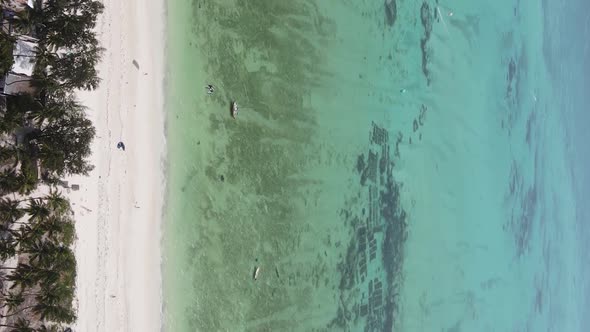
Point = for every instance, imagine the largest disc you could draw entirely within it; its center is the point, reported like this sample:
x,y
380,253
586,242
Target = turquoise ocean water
x,y
395,166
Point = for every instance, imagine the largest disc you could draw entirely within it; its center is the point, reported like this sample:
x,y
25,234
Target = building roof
x,y
15,84
18,5
24,56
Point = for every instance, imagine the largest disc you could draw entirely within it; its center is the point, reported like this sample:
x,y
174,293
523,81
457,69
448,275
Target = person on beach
x,y
210,89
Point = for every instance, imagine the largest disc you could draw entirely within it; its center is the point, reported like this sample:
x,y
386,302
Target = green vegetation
x,y
44,134
6,50
67,51
43,281
56,132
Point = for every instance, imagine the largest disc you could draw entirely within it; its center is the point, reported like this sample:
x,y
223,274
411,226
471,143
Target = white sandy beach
x,y
118,208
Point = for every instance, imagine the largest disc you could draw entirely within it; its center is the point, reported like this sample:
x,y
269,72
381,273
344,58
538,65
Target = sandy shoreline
x,y
119,206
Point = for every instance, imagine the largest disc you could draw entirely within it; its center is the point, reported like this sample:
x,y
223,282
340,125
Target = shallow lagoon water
x,y
391,168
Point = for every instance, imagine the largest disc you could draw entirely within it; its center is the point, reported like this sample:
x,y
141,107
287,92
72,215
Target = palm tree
x,y
16,108
53,105
74,32
17,311
55,313
64,144
46,328
68,232
37,210
56,294
44,57
52,328
22,277
69,68
6,57
10,211
58,228
62,260
58,104
76,69
29,20
21,325
7,248
50,255
9,214
47,277
68,20
29,233
60,292
9,181
26,276
27,183
13,300
40,251
9,154
57,203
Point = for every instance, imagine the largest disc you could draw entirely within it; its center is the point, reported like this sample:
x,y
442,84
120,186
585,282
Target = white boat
x,y
234,109
256,272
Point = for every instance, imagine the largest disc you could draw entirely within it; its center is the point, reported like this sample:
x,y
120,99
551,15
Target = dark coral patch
x,y
390,12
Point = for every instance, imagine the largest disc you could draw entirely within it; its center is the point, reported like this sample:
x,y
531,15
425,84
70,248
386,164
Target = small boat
x,y
234,109
256,272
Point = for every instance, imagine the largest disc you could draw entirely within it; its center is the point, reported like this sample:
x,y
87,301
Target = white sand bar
x,y
118,208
